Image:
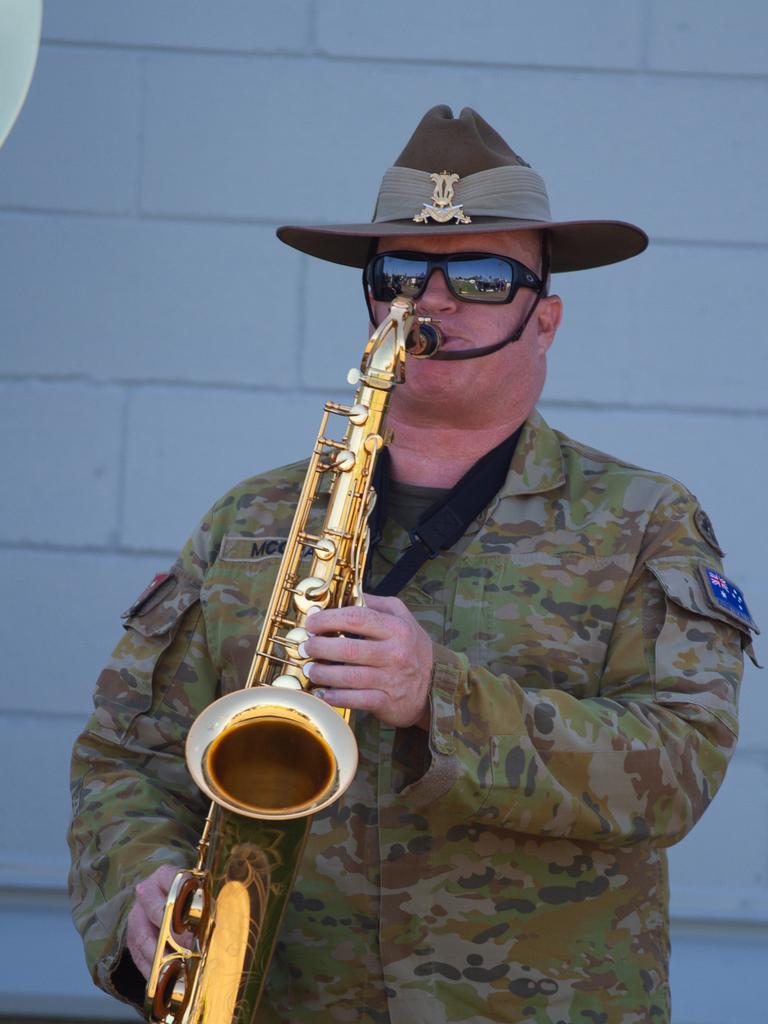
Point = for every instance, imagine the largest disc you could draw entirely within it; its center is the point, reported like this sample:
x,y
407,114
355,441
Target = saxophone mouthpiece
x,y
424,339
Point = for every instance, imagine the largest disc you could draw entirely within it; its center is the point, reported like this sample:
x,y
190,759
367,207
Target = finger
x,y
152,892
141,939
363,622
164,876
345,650
158,883
386,605
153,906
353,677
356,700
146,953
142,963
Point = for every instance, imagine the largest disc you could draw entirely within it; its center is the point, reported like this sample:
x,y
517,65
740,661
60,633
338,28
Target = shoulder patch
x,y
147,593
726,597
707,530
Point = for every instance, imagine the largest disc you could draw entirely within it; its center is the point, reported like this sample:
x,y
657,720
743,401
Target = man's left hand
x,y
382,663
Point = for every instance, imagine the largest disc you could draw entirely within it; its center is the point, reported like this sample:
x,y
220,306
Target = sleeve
x,y
638,762
134,804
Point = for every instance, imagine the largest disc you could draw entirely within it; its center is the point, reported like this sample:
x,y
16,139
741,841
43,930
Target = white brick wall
x,y
707,36
75,144
60,463
153,334
591,34
140,299
187,447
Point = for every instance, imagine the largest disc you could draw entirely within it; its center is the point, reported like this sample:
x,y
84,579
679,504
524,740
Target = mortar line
x,y
122,473
646,33
320,56
246,221
141,138
338,392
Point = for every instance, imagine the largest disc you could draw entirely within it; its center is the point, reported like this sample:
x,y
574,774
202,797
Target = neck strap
x,y
444,522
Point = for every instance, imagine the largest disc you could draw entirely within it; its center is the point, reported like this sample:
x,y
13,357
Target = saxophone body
x,y
271,755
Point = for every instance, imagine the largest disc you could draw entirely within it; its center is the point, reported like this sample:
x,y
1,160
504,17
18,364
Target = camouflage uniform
x,y
509,866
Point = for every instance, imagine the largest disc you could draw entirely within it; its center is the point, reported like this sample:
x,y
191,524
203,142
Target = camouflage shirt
x,y
509,865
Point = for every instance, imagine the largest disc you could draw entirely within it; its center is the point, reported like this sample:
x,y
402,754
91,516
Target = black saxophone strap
x,y
444,522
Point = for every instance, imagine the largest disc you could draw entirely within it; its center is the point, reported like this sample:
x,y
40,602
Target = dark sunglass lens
x,y
393,275
485,279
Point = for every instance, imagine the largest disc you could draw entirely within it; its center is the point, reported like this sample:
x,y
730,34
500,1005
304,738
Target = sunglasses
x,y
470,276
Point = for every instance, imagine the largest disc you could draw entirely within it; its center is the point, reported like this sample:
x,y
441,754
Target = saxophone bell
x,y
271,753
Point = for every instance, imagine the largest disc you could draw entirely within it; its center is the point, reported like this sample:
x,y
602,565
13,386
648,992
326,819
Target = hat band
x,y
510,191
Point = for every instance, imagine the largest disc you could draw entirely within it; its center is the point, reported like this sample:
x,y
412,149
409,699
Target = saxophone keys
x,y
311,592
191,906
374,443
325,549
172,992
287,682
344,461
358,414
296,636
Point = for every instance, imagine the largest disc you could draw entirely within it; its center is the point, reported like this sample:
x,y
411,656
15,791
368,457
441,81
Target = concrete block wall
x,y
157,343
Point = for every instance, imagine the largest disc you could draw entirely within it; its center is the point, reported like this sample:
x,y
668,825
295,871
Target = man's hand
x,y
382,664
146,916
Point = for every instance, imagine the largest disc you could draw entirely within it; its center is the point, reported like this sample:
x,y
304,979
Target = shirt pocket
x,y
234,598
124,689
697,645
695,586
543,618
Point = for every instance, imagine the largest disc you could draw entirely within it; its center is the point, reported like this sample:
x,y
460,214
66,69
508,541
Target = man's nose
x,y
436,294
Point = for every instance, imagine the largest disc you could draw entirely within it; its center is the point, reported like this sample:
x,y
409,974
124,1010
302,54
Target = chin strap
x,y
486,350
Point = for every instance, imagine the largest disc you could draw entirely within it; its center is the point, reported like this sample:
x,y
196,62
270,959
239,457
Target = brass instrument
x,y
271,755
21,23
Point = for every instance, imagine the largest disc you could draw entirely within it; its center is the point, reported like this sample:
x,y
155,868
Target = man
x,y
548,703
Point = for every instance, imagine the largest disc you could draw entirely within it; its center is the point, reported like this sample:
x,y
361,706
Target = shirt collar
x,y
537,464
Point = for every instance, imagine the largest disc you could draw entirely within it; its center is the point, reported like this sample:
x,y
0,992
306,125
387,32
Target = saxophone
x,y
271,755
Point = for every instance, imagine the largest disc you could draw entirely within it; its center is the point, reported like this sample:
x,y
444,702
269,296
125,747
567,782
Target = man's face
x,y
490,390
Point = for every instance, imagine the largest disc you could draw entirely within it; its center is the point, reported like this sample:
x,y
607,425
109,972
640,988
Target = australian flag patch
x,y
726,597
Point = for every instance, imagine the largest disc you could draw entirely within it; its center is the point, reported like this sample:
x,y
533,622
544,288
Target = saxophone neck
x,y
383,362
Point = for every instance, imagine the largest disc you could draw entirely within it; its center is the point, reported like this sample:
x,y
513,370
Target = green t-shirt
x,y
406,503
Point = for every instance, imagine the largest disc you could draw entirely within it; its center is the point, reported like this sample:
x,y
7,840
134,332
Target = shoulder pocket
x,y
702,589
124,688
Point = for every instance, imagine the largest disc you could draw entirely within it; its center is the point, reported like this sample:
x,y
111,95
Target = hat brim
x,y
575,245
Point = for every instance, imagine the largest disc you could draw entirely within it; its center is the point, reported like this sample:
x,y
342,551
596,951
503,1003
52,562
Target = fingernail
x,y
319,692
313,608
307,669
303,649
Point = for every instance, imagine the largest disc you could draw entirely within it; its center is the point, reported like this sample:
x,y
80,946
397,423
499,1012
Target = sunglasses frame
x,y
522,276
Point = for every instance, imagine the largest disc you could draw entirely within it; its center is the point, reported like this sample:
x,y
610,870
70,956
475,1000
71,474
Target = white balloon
x,y
20,26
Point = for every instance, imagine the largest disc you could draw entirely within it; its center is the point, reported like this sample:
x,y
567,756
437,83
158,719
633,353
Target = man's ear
x,y
548,317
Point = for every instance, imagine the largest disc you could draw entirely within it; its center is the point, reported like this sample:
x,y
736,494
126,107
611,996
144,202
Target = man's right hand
x,y
146,915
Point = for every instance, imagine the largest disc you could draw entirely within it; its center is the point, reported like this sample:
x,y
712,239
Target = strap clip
x,y
416,538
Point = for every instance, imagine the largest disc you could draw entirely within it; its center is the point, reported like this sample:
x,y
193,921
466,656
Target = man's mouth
x,y
454,341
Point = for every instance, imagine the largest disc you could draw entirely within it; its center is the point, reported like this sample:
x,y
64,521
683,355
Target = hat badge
x,y
441,208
